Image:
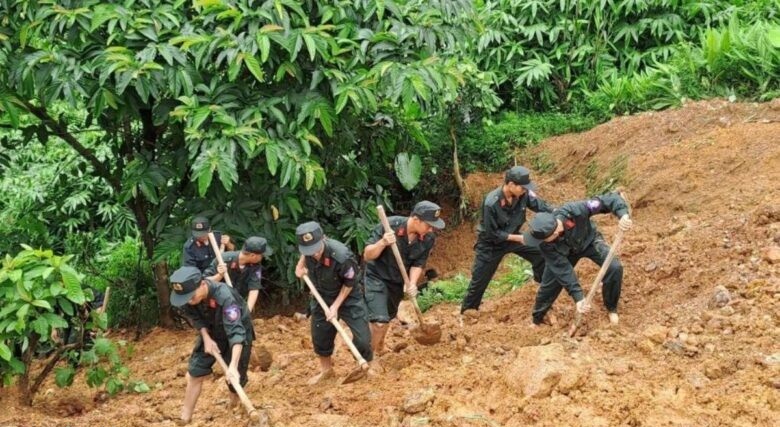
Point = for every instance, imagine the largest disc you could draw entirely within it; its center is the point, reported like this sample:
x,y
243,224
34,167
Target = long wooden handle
x,y
386,224
236,385
603,270
217,252
335,321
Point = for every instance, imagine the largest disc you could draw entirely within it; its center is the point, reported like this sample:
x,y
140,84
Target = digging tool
x,y
360,371
258,419
600,276
217,252
426,334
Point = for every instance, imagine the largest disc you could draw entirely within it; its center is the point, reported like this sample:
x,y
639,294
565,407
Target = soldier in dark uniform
x,y
244,269
222,319
567,235
503,213
334,270
197,249
384,285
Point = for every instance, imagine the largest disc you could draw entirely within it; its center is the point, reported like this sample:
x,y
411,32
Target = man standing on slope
x,y
568,235
384,284
503,213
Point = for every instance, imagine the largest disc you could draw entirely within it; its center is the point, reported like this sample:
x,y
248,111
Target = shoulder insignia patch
x,y
401,232
232,313
212,303
350,274
568,224
531,194
593,205
259,273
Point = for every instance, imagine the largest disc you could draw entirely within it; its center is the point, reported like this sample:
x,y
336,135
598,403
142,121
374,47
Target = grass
x,y
454,289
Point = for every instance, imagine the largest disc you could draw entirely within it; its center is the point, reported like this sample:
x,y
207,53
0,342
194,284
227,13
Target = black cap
x,y
429,212
309,237
200,226
542,226
184,283
257,245
520,176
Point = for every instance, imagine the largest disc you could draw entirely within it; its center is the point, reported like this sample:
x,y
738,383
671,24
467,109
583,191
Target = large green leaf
x,y
408,169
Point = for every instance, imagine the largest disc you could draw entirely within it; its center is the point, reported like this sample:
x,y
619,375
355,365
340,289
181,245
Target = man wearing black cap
x,y
333,269
244,269
384,285
503,213
222,318
564,237
197,249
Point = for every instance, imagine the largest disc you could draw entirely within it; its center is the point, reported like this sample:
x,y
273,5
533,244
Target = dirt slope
x,y
698,344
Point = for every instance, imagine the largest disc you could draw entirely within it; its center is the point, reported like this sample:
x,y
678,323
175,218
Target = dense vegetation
x,y
119,121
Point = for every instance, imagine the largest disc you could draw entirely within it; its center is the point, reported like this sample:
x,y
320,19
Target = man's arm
x,y
334,308
377,243
251,299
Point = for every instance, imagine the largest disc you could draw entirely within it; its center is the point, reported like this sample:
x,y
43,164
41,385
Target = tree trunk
x,y
163,293
456,169
25,393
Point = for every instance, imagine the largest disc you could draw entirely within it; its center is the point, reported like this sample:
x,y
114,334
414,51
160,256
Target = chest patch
x,y
231,313
401,232
326,262
568,224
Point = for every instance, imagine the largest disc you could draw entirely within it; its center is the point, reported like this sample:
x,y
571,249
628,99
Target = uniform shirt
x,y
578,233
500,218
336,267
244,278
413,254
223,313
197,254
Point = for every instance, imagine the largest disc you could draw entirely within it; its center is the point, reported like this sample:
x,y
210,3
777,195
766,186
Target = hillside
x,y
698,343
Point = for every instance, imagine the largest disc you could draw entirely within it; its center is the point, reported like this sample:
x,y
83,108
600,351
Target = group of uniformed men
x,y
367,301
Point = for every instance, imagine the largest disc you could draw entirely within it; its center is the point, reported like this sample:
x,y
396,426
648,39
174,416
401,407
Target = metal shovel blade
x,y
356,375
427,333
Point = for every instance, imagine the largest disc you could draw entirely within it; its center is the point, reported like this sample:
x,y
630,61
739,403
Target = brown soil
x,y
703,181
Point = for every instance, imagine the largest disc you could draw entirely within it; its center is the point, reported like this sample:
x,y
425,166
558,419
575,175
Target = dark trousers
x,y
551,285
355,315
486,260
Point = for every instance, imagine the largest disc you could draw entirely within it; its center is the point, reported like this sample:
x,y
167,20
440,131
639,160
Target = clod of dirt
x,y
418,400
261,358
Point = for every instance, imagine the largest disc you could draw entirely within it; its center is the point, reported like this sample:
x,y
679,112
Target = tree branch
x,y
61,131
49,366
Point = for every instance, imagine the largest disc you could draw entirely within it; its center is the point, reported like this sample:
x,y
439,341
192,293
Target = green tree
x,y
252,93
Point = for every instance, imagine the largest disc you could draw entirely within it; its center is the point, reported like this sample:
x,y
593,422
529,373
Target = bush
x,y
490,146
132,301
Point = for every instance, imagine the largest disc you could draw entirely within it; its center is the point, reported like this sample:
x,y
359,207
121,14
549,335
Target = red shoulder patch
x,y
568,224
401,232
234,265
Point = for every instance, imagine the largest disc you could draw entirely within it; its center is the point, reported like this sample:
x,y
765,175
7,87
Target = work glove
x,y
625,223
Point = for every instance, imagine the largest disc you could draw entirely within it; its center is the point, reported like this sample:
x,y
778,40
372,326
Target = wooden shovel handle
x,y
613,250
218,253
236,384
386,224
335,322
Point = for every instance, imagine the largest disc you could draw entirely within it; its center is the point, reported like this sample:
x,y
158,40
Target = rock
x,y
675,346
397,347
726,311
771,254
646,346
719,298
617,367
772,361
714,369
536,370
417,401
572,379
656,333
325,404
